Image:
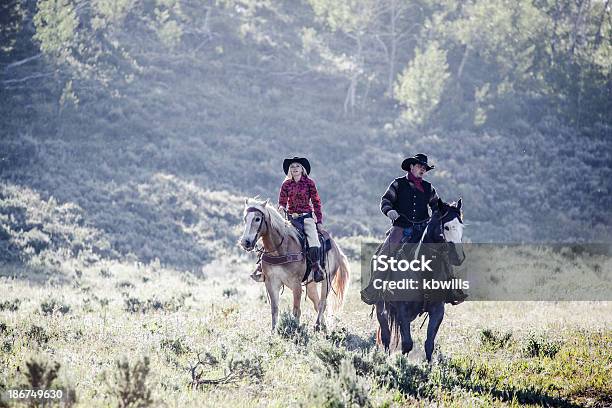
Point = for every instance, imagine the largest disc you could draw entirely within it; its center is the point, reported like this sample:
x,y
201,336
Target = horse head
x,y
255,223
449,228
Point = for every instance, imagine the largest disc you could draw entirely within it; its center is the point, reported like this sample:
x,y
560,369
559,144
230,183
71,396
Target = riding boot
x,y
258,275
313,255
457,296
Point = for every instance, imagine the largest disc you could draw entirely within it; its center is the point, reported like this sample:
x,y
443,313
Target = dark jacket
x,y
409,201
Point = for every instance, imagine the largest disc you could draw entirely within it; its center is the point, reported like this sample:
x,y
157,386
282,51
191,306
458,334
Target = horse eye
x,y
257,219
446,228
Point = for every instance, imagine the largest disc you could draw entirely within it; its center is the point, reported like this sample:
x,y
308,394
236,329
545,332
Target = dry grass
x,y
189,315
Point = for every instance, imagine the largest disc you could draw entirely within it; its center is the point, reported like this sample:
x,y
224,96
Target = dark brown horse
x,y
394,317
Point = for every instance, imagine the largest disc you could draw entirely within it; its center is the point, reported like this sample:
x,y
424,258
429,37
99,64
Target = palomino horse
x,y
280,238
445,226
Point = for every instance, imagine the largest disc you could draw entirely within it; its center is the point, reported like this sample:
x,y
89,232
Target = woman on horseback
x,y
299,198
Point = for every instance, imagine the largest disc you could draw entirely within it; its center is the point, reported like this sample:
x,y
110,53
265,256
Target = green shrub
x,y
105,273
40,374
125,285
43,231
129,385
341,337
404,376
288,327
135,305
10,305
538,346
229,292
38,334
51,306
7,346
338,336
342,389
331,356
177,346
43,375
492,340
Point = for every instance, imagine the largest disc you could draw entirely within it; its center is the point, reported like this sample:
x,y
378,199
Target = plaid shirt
x,y
297,196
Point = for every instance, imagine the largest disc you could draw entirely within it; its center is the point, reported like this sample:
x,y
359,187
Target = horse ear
x,y
246,202
459,203
440,204
265,204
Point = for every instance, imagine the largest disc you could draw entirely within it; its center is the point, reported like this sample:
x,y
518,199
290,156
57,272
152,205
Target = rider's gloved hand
x,y
393,215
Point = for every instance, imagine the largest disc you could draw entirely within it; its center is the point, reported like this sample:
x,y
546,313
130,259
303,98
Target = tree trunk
x,y
393,53
575,31
598,36
349,100
463,60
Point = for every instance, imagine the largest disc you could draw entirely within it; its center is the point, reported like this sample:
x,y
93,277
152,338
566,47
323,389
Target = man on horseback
x,y
299,199
407,199
407,202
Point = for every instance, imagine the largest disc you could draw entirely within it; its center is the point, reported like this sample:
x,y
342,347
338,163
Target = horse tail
x,y
394,327
341,280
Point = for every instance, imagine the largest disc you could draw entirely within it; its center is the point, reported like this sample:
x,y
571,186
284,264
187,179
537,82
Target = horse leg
x,y
297,297
383,322
406,314
311,292
273,287
436,314
322,305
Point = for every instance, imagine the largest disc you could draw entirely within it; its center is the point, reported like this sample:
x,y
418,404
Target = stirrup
x,y
258,275
459,300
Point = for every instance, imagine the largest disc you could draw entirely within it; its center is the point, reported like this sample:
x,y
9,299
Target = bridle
x,y
439,226
265,257
261,251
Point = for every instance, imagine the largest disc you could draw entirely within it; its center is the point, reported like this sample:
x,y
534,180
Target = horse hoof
x,y
319,328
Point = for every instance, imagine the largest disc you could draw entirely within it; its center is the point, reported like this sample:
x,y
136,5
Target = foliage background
x,y
132,130
150,118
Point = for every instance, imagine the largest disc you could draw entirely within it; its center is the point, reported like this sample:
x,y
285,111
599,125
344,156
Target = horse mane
x,y
273,217
452,206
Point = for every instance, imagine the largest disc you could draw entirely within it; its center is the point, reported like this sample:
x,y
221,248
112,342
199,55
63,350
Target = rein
x,y
414,222
416,254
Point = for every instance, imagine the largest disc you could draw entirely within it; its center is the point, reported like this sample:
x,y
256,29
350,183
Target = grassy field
x,y
155,337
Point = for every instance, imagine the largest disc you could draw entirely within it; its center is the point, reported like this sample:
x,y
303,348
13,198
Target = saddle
x,y
406,250
324,237
324,241
325,246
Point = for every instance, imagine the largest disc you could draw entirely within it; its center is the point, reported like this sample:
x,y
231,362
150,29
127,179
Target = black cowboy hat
x,y
417,158
302,160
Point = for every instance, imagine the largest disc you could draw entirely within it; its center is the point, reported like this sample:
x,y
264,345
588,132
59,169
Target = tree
x,y
353,19
398,23
420,86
